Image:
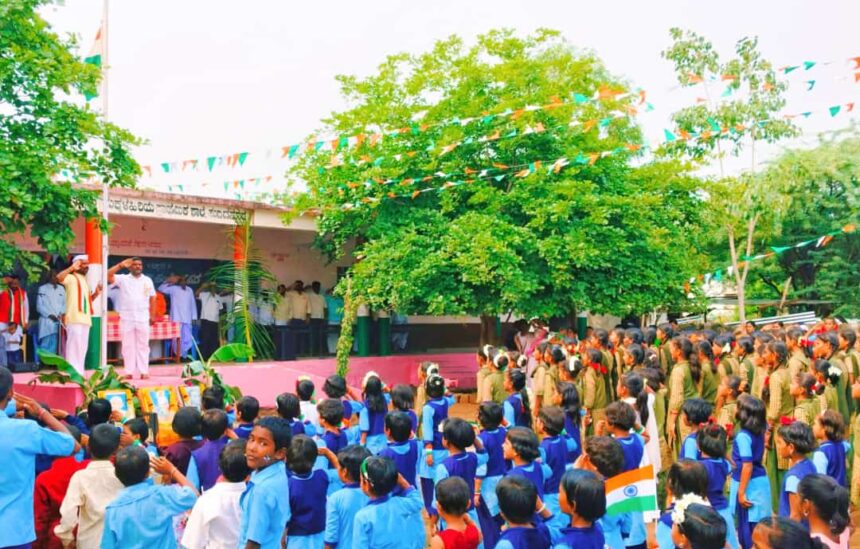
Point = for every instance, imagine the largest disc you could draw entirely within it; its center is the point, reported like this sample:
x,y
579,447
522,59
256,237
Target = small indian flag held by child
x,y
96,55
634,490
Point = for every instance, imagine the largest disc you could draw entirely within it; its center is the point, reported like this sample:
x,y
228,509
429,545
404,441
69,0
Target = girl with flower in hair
x,y
494,383
826,347
686,481
698,526
830,377
805,390
484,356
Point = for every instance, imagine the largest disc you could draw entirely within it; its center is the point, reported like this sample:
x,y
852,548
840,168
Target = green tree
x,y
501,230
44,131
746,207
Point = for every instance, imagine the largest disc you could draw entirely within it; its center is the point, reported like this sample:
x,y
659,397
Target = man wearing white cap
x,y
136,313
79,310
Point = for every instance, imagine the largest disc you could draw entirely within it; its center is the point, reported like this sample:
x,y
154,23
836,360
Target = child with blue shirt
x,y
603,455
371,419
403,400
683,478
568,398
517,410
142,514
518,499
794,441
695,413
290,410
247,410
521,447
335,387
712,443
829,458
330,413
492,436
753,503
203,469
698,525
387,522
554,449
265,503
582,499
343,505
402,449
434,413
306,527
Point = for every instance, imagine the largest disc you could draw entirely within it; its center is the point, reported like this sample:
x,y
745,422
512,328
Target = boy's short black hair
x,y
288,406
552,418
305,389
800,435
334,386
214,424
131,465
687,476
586,490
302,454
98,411
350,459
399,424
490,415
280,430
524,442
621,415
331,410
212,397
187,422
453,495
517,498
697,410
248,409
458,433
104,440
381,474
138,427
402,397
6,382
232,461
605,454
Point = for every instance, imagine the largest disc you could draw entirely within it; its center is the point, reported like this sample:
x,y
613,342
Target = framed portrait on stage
x,y
120,401
191,395
160,400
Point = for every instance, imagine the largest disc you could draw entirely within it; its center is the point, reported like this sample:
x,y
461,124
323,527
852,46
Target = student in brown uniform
x,y
805,389
594,395
727,364
494,383
665,333
685,376
826,347
709,382
797,360
776,393
745,353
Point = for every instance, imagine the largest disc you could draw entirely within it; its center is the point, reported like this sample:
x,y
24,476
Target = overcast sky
x,y
201,78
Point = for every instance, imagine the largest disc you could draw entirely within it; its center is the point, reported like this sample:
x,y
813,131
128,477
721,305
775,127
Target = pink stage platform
x,y
266,380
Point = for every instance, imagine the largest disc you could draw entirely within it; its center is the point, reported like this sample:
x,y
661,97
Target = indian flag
x,y
96,54
634,490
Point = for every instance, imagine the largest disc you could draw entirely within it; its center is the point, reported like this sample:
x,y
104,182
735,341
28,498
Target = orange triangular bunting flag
x,y
694,78
415,194
592,158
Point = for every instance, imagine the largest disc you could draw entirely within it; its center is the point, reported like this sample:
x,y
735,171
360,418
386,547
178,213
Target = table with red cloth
x,y
161,329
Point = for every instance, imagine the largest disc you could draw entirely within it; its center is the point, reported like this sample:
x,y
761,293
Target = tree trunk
x,y
488,330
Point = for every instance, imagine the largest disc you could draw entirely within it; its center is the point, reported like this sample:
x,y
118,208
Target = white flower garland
x,y
680,511
367,376
834,371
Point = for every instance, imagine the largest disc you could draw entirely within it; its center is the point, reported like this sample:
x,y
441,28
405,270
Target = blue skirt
x,y
424,470
313,541
376,443
731,530
488,494
664,536
559,519
758,492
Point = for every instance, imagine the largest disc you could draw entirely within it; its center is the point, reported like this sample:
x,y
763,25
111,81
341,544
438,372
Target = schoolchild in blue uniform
x,y
794,442
289,408
203,468
335,387
330,417
521,447
554,449
457,435
371,420
403,450
306,527
247,410
754,504
582,499
829,458
517,410
568,399
518,499
604,456
700,526
684,477
434,413
388,521
265,503
492,437
712,443
403,400
343,505
695,413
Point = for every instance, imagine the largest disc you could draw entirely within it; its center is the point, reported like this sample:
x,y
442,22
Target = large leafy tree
x,y
459,209
747,207
45,132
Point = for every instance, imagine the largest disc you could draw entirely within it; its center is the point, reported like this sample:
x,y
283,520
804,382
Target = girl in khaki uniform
x,y
727,405
539,376
806,406
709,382
483,357
685,376
797,360
494,383
744,352
595,397
776,392
727,364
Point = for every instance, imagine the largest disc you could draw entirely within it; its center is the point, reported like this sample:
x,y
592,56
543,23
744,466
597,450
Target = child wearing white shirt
x,y
12,337
215,520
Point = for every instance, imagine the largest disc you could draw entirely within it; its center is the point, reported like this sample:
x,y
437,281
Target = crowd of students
x,y
748,432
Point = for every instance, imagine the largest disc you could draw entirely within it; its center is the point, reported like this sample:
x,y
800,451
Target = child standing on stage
x,y
516,407
794,442
712,443
749,490
829,458
452,503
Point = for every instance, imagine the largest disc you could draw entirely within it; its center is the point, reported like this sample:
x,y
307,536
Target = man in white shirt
x,y
210,313
136,314
51,305
183,309
316,311
298,323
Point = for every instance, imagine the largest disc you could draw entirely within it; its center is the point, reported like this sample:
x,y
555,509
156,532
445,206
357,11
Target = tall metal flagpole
x,y
105,193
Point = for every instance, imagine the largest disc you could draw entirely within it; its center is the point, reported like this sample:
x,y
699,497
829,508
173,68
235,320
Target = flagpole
x,y
105,194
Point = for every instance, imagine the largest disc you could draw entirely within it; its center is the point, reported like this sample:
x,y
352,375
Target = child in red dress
x,y
452,501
